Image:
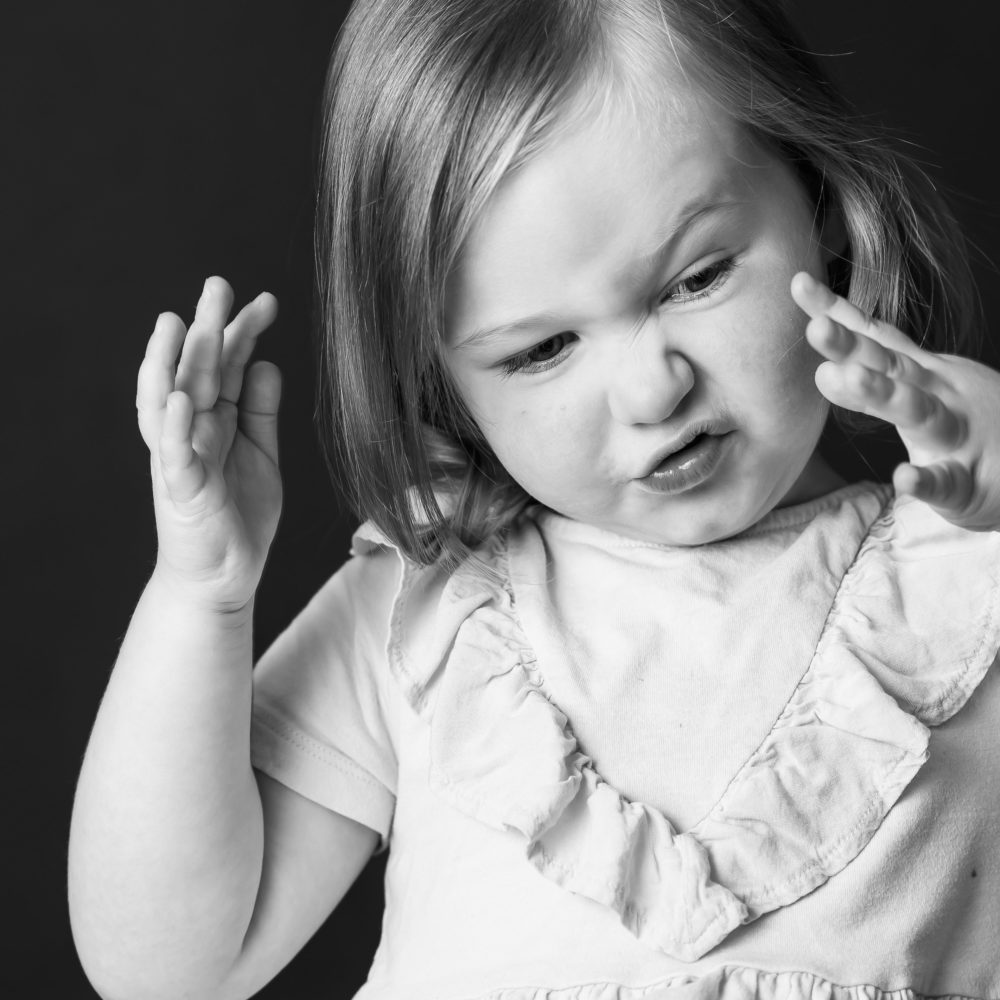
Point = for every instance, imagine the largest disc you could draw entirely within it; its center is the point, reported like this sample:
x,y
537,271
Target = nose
x,y
649,380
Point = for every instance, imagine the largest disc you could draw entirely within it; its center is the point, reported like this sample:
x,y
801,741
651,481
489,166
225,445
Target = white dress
x,y
612,770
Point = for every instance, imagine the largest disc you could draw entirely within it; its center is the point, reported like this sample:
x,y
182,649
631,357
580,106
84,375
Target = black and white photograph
x,y
504,500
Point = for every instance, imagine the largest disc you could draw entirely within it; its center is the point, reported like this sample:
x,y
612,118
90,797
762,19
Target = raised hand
x,y
945,408
210,423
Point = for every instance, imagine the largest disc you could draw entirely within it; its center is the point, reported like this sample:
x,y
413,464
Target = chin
x,y
689,531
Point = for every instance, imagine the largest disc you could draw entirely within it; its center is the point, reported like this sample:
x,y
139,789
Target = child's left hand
x,y
946,408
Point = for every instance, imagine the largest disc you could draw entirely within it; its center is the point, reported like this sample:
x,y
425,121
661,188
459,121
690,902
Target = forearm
x,y
167,838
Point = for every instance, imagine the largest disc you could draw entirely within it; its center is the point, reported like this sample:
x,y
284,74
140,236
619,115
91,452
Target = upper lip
x,y
681,441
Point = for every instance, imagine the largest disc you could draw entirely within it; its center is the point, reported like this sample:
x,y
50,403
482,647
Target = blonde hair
x,y
429,103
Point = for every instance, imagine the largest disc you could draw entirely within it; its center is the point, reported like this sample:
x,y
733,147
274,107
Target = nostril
x,y
649,392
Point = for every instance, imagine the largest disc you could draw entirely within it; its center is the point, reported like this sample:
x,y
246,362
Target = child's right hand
x,y
211,428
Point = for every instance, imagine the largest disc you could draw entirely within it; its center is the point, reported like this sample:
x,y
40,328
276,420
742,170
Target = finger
x,y
258,412
837,343
817,299
239,341
919,415
181,467
946,485
198,371
156,375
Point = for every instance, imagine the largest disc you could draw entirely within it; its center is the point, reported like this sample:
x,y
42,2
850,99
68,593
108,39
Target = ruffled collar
x,y
912,629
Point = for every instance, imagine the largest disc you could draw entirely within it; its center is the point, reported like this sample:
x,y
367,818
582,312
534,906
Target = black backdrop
x,y
147,146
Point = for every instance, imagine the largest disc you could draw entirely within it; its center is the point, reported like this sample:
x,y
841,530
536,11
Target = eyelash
x,y
718,271
523,362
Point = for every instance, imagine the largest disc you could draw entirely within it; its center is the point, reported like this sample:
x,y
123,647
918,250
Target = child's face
x,y
639,272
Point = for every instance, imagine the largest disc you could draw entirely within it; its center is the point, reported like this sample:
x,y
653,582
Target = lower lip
x,y
688,468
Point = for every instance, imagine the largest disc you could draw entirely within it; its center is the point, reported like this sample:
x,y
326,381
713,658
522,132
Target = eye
x,y
701,282
542,356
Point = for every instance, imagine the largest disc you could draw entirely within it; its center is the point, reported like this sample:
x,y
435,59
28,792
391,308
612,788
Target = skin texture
x,y
188,875
210,423
616,343
643,341
945,408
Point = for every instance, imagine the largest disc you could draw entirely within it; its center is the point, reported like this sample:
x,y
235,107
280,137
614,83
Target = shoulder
x,y
927,553
426,607
397,615
922,598
380,580
348,624
373,584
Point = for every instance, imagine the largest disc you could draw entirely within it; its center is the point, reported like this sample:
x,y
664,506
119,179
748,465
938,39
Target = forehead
x,y
610,185
684,143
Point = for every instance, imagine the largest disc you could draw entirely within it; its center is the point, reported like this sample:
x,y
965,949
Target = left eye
x,y
700,283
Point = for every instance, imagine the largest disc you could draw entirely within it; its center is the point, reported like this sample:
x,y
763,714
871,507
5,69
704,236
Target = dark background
x,y
148,146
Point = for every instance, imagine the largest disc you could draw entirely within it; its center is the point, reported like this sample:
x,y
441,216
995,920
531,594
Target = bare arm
x,y
167,838
182,877
186,876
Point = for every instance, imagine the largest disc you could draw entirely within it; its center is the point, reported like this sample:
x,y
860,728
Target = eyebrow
x,y
693,212
696,209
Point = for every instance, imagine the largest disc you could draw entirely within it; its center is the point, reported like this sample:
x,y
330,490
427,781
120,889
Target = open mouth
x,y
689,447
689,466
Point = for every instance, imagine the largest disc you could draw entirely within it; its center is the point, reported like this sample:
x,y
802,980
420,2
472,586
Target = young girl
x,y
644,698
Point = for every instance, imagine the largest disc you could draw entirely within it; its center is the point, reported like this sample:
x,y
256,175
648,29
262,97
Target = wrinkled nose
x,y
649,382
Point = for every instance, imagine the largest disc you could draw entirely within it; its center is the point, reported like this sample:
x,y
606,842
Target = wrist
x,y
200,600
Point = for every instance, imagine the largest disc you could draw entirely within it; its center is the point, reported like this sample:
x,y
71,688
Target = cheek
x,y
775,365
540,447
783,334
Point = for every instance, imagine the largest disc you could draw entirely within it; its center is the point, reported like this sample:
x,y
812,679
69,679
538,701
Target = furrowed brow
x,y
695,213
485,336
692,213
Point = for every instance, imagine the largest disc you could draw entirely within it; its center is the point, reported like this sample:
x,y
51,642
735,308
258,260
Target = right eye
x,y
541,357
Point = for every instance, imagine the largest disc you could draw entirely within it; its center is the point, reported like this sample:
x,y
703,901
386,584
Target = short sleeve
x,y
324,713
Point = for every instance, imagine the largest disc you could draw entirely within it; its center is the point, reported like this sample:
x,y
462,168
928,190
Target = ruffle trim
x,y
848,742
727,983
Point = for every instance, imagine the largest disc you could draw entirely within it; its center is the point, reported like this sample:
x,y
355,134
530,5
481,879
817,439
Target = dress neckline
x,y
913,627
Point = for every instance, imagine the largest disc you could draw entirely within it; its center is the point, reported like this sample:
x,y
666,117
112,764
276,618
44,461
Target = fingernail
x,y
206,290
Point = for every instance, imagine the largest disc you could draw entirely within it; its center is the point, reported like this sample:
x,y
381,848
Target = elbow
x,y
123,984
118,969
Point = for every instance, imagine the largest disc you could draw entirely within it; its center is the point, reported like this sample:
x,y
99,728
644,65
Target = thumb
x,y
258,407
